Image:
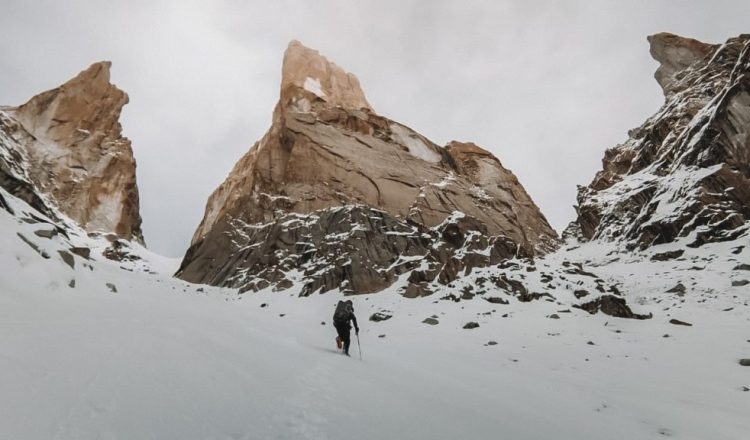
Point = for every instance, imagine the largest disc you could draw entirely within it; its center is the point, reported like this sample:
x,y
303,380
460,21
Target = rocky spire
x,y
675,54
306,74
328,157
78,154
86,102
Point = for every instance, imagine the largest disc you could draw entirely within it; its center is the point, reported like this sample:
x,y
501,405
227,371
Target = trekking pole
x,y
359,347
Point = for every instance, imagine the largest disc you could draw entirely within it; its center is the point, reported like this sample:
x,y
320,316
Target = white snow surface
x,y
445,181
165,359
313,85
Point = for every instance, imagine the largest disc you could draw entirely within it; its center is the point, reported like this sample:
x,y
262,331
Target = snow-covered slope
x,y
161,358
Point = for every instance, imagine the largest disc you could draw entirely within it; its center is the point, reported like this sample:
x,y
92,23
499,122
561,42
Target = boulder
x,y
45,233
580,293
665,256
82,252
67,257
382,315
612,306
678,289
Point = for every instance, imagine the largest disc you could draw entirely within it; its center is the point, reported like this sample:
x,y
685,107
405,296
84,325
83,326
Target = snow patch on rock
x,y
313,85
416,146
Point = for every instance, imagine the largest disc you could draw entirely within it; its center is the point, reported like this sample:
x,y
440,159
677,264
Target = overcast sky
x,y
545,85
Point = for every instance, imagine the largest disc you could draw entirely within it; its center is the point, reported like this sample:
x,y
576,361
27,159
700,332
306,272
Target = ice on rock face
x,y
417,147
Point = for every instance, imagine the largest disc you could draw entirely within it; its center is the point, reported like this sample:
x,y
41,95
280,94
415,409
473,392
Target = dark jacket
x,y
343,314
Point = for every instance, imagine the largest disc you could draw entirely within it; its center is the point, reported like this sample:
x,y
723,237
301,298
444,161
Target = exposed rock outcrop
x,y
612,306
326,149
14,176
64,149
686,171
356,248
675,54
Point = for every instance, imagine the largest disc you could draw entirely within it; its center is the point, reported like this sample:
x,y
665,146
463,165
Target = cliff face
x,y
69,143
686,171
326,149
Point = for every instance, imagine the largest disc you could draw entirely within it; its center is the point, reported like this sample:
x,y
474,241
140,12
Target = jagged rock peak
x,y
77,154
675,54
327,150
305,69
86,102
685,173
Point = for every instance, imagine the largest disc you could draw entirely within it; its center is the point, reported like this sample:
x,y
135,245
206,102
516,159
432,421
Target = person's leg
x,y
346,339
341,331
